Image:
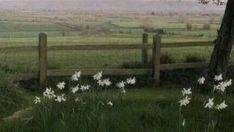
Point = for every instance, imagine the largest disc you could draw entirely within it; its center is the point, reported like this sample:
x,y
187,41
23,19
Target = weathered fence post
x,y
42,58
156,58
144,48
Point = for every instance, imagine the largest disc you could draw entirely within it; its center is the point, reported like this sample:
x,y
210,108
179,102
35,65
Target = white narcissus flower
x,y
60,98
185,101
226,83
105,82
131,81
120,84
186,91
97,76
37,100
109,103
218,77
84,87
75,89
221,106
61,85
210,103
223,85
49,93
101,83
76,76
201,80
220,87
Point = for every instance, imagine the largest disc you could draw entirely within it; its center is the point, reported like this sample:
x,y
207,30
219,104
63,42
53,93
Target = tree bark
x,y
224,43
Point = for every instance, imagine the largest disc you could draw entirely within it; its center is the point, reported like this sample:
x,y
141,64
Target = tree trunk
x,y
223,44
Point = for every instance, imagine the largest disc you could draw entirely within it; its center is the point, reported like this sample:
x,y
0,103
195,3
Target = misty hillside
x,y
117,5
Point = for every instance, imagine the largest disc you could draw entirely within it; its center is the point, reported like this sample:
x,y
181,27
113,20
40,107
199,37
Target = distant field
x,y
22,29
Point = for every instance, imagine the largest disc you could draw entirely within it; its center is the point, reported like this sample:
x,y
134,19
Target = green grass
x,y
11,97
93,59
140,109
137,106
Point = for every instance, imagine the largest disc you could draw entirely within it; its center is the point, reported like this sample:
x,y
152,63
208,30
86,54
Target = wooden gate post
x,y
144,48
42,58
156,58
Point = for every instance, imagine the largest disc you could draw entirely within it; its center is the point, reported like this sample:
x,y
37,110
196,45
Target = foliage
x,y
11,97
193,58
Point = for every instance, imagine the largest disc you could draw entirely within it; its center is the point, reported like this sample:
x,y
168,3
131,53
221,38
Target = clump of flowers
x,y
186,93
49,93
79,88
217,95
186,99
129,81
104,82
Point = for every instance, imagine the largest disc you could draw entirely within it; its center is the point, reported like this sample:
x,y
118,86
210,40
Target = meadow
x,y
144,107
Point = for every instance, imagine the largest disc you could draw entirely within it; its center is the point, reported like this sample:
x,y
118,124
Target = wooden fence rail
x,y
42,49
107,47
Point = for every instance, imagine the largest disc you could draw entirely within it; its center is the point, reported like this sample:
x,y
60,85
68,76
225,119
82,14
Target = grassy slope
x,y
143,109
12,98
137,103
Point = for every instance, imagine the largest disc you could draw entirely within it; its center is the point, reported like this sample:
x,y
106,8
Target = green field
x,y
22,29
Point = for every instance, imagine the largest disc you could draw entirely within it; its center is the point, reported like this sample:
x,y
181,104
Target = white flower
x,y
223,85
49,93
221,106
101,83
131,81
220,87
75,89
84,87
37,100
226,83
210,103
97,76
218,77
186,91
120,84
60,98
105,82
185,101
76,76
201,80
61,85
109,103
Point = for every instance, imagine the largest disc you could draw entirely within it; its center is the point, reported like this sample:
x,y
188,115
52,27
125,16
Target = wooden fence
x,y
44,72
